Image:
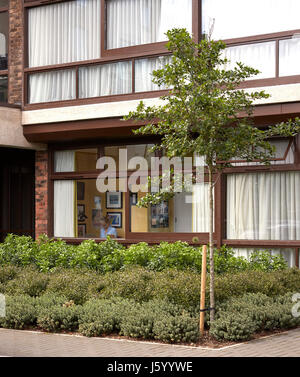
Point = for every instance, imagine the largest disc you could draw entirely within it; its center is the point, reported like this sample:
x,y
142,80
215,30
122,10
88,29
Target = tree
x,y
206,113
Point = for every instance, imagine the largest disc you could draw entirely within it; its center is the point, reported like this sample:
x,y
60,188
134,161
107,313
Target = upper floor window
x,y
64,32
235,18
137,22
3,39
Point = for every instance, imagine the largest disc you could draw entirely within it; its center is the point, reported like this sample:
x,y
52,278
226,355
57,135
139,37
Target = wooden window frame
x,y
130,237
154,238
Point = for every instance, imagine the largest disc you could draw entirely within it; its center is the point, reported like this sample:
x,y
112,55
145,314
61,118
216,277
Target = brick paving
x,y
30,343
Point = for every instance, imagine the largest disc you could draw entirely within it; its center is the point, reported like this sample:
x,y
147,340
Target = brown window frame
x,y
130,237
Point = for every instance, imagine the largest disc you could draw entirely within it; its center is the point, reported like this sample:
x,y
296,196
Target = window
x,y
135,22
3,40
263,206
261,56
143,73
3,88
289,55
105,79
235,18
64,32
184,213
52,86
81,195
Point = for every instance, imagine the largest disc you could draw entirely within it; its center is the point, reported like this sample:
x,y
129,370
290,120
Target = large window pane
x,y
289,56
3,39
143,73
105,79
52,86
78,207
263,206
135,22
236,18
79,160
3,88
64,32
185,213
261,56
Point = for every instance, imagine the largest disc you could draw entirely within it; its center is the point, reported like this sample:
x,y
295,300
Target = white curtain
x,y
289,56
236,18
263,206
64,32
135,22
261,56
143,73
106,79
288,254
64,196
52,86
201,208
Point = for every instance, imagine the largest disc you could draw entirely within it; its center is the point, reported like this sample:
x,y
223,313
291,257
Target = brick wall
x,y
41,193
16,40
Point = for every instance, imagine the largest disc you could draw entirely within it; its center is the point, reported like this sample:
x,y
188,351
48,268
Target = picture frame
x,y
159,215
81,216
81,230
113,200
80,190
134,198
116,219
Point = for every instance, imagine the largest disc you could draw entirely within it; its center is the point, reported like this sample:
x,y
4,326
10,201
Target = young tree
x,y
206,113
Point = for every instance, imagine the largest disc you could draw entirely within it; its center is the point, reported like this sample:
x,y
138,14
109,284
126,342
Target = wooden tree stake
x,y
203,287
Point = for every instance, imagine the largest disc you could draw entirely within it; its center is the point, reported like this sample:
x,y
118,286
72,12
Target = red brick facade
x,y
41,193
15,56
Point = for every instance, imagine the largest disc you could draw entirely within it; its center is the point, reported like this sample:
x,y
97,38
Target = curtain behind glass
x,y
201,208
52,86
289,56
64,32
64,196
263,206
135,22
106,79
261,56
143,73
236,18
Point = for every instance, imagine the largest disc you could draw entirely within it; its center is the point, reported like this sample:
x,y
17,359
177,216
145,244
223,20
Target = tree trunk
x,y
211,245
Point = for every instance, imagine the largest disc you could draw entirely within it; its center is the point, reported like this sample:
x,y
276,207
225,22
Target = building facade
x,y
70,71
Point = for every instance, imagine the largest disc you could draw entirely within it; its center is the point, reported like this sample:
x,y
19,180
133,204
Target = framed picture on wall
x,y
160,215
113,200
116,219
80,190
81,230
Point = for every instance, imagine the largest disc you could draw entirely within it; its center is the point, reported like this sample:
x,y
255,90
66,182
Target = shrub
x,y
72,284
8,272
20,312
18,250
264,261
181,328
29,282
100,317
57,318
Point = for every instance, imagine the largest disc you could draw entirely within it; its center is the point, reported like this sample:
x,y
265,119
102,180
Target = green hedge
x,y
108,256
139,284
238,318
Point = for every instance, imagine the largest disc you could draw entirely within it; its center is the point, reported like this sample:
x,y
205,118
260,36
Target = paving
x,y
37,344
